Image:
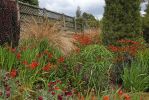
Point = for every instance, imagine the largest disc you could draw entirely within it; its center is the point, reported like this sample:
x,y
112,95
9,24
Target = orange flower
x,y
120,92
33,65
113,48
81,98
61,59
68,93
25,62
141,98
106,97
93,98
18,56
56,88
47,67
50,55
13,73
46,52
126,97
82,39
77,50
13,49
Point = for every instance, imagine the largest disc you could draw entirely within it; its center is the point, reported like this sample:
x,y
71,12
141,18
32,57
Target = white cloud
x,y
96,7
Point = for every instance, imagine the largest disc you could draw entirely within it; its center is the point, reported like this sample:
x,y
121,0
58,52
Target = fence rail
x,y
28,11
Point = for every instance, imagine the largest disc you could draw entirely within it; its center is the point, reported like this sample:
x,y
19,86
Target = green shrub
x,y
121,19
88,69
7,59
136,77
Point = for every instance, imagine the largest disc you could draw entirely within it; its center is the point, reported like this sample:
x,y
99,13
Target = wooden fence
x,y
28,11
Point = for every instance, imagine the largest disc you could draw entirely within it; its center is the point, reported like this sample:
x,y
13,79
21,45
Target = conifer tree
x,y
146,25
146,17
32,2
121,20
78,12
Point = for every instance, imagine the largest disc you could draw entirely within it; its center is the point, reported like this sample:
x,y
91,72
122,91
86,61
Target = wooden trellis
x,y
13,12
28,11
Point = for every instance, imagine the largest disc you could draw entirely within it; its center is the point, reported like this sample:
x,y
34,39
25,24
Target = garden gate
x,y
9,23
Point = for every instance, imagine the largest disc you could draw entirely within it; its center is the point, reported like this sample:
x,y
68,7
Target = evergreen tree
x,y
32,2
146,25
146,17
78,12
121,20
90,20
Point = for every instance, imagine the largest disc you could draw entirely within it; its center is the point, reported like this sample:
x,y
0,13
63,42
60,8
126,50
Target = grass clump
x,y
82,70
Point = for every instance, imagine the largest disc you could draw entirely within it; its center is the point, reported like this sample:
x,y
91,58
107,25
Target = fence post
x,y
44,14
75,24
64,21
82,27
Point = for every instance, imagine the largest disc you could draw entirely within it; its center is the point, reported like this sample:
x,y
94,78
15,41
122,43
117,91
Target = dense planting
x,y
42,71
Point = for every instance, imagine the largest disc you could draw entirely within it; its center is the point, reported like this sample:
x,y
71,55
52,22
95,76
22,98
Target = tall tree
x,y
146,24
90,20
78,12
32,2
121,20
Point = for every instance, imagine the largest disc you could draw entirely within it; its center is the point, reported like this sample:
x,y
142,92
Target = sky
x,y
95,7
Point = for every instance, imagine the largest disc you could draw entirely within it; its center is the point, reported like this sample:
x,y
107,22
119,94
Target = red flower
x,y
46,52
60,97
33,65
113,48
13,49
126,97
106,97
25,62
77,50
13,73
18,56
56,88
51,84
40,98
50,55
59,81
1,93
141,98
93,98
68,93
61,59
64,90
53,93
7,88
120,92
82,39
85,40
7,94
47,67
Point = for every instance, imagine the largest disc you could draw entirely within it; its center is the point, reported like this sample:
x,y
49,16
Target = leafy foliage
x,y
146,25
78,12
136,77
90,20
83,70
32,2
121,19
